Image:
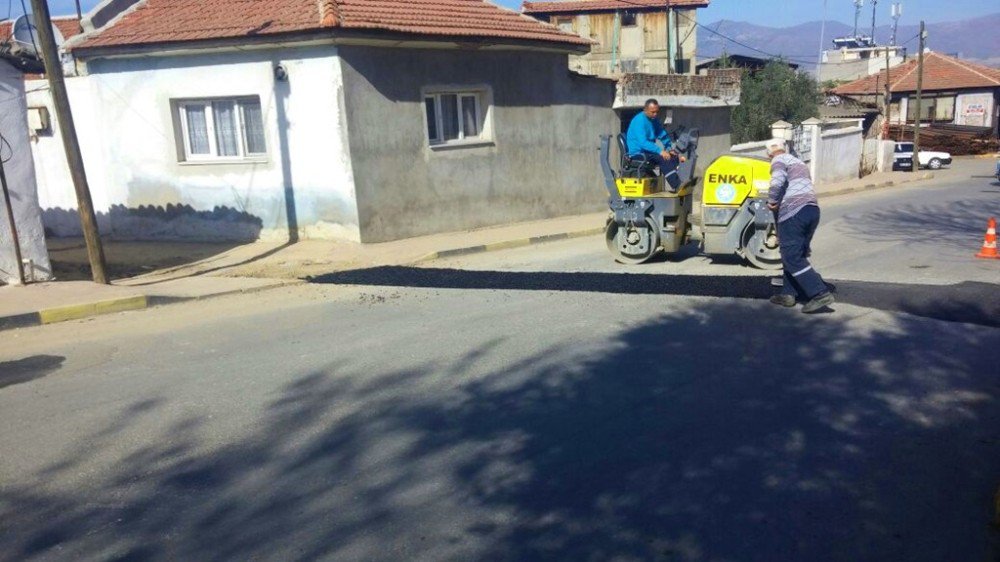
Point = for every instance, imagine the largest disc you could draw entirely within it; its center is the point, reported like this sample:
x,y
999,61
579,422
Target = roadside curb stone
x,y
86,310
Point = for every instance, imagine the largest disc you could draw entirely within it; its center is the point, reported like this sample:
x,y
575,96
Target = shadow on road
x,y
956,224
969,302
695,436
28,369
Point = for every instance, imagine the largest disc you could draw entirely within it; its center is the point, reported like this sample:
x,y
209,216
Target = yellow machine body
x,y
638,187
735,219
731,180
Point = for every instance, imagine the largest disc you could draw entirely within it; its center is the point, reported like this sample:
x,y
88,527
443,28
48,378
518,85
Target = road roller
x,y
648,216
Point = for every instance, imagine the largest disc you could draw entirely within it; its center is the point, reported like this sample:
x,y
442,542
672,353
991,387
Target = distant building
x,y
649,48
955,92
753,64
857,59
631,36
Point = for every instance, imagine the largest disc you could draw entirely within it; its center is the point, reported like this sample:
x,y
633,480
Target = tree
x,y
775,93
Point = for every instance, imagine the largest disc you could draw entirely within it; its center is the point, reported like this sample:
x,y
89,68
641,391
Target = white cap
x,y
775,145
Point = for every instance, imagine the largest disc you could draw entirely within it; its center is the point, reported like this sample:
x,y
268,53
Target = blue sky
x,y
762,12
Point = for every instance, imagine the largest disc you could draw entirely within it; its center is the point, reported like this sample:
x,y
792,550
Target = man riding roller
x,y
643,133
793,199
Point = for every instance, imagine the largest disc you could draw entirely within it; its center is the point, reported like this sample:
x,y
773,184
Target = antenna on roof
x,y
897,12
858,4
874,5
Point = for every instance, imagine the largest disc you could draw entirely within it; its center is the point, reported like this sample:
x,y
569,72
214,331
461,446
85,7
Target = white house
x,y
367,120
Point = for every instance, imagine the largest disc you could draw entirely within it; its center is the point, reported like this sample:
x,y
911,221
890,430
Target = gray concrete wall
x,y
757,148
19,170
541,162
839,155
714,123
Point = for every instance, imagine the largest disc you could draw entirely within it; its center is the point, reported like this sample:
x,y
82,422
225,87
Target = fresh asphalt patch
x,y
968,302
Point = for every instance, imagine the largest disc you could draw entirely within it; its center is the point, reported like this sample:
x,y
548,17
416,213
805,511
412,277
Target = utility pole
x,y
822,39
60,98
671,51
920,91
888,96
858,4
874,6
79,16
897,12
13,224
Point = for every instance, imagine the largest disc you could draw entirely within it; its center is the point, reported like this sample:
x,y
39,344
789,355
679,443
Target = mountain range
x,y
974,39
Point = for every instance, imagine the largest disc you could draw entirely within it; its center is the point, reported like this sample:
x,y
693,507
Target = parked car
x,y
903,158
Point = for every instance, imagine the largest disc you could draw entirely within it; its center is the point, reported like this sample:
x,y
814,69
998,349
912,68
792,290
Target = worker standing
x,y
643,133
793,197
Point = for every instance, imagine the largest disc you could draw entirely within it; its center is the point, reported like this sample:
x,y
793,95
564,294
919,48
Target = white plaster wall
x,y
886,155
20,173
974,109
143,190
56,194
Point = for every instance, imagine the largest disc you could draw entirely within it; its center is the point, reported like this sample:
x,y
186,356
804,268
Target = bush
x,y
773,94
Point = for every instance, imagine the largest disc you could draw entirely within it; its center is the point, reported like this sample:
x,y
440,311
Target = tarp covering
x,y
15,149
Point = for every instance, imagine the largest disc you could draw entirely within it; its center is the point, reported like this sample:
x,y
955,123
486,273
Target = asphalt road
x,y
499,410
925,233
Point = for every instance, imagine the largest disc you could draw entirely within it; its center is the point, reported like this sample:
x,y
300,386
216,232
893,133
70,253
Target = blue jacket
x,y
643,133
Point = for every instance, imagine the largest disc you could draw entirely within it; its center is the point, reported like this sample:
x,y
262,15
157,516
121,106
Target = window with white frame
x,y
455,117
222,129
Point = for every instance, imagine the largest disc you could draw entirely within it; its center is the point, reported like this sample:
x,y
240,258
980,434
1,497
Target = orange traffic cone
x,y
989,250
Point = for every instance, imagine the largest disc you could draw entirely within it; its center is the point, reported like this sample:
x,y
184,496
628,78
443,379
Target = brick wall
x,y
717,83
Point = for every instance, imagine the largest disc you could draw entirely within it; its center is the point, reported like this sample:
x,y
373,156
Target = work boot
x,y
819,302
787,301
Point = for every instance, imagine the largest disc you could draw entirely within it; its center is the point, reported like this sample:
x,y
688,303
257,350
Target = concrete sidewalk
x,y
48,303
265,265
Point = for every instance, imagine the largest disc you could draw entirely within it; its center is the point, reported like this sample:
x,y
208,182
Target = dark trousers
x,y
668,168
795,236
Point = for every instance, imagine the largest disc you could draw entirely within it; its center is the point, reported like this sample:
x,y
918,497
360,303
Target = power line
x,y
910,40
10,149
744,45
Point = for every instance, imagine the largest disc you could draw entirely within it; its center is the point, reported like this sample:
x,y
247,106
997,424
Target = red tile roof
x,y
581,6
69,26
940,73
178,21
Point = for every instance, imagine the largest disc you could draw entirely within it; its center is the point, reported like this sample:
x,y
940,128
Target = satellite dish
x,y
24,37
